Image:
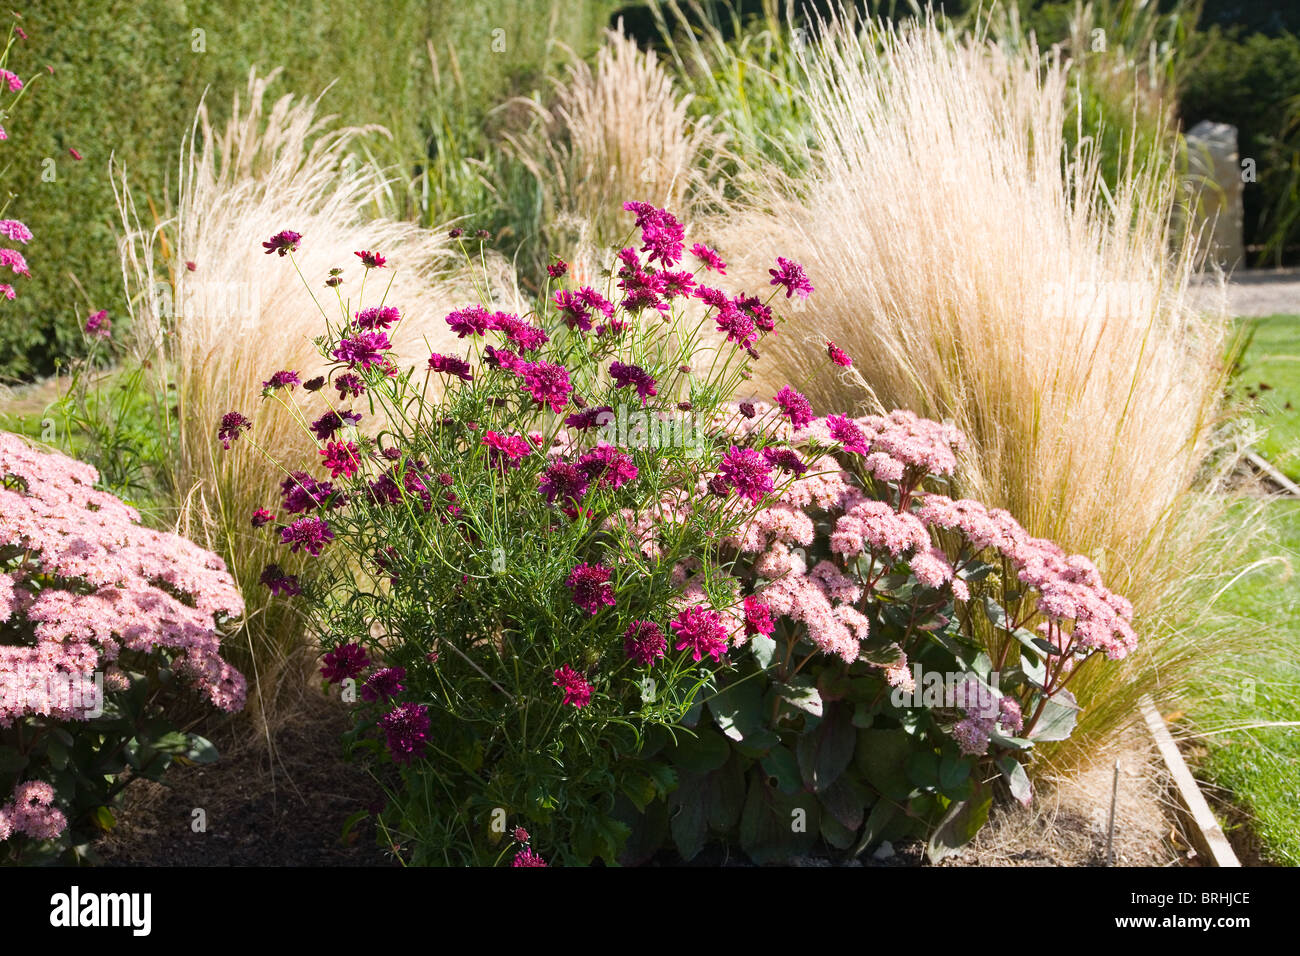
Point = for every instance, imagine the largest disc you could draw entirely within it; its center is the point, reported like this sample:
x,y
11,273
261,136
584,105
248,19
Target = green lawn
x,y
1271,373
1261,765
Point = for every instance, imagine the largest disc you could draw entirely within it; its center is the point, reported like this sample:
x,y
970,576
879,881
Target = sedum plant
x,y
108,630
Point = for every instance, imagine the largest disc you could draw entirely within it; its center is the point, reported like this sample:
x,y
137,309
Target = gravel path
x,y
1258,292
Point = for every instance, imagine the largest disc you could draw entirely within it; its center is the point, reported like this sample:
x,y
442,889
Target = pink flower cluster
x,y
32,812
84,581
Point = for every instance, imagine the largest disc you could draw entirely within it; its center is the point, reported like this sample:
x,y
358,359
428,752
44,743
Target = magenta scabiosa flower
x,y
557,269
608,466
99,325
589,584
846,431
471,320
795,406
340,458
626,376
377,317
282,242
791,277
344,662
838,355
451,365
758,617
232,426
364,349
577,689
527,857
505,451
548,384
371,260
786,460
349,385
709,257
383,684
701,631
745,470
328,424
644,642
309,534
262,517
563,481
406,729
282,379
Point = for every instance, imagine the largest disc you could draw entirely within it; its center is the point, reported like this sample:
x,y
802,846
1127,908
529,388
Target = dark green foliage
x,y
129,75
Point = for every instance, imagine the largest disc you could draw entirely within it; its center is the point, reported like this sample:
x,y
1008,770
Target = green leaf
x,y
1014,773
780,764
836,833
846,800
705,751
103,818
953,772
764,650
923,769
200,750
1060,714
882,815
959,825
775,827
827,751
1039,645
891,655
738,712
880,757
11,761
57,751
863,715
687,817
804,697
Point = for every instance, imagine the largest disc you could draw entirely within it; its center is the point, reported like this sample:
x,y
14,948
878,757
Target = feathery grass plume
x,y
975,277
618,131
214,318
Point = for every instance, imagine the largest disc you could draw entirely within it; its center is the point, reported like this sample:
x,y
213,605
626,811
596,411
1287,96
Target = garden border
x,y
1203,827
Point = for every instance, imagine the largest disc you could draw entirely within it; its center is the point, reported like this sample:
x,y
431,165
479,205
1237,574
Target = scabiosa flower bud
x,y
520,835
684,369
262,517
444,479
455,233
371,260
232,426
747,409
577,690
684,406
314,384
282,242
590,586
718,486
644,642
557,269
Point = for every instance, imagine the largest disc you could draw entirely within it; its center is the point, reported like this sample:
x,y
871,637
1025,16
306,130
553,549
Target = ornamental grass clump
x,y
106,627
511,551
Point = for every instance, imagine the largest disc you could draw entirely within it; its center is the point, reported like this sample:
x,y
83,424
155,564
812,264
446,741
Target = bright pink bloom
x,y
576,687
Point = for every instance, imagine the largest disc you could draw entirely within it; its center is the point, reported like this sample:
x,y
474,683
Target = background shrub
x,y
128,76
